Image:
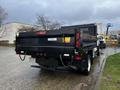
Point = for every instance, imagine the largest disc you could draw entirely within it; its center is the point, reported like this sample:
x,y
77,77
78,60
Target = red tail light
x,y
78,35
77,44
41,33
77,57
77,40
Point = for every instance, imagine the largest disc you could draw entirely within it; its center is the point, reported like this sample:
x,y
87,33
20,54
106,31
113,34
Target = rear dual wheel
x,y
88,66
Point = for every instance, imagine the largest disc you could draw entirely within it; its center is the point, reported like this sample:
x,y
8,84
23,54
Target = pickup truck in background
x,y
71,47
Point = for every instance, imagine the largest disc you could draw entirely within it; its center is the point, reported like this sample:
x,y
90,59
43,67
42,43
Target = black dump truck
x,y
72,47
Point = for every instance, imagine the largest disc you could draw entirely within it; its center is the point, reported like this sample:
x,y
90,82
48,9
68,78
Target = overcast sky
x,y
65,11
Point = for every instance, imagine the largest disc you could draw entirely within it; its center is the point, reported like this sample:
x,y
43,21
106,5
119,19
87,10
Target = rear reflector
x,y
67,55
22,51
77,57
45,54
41,33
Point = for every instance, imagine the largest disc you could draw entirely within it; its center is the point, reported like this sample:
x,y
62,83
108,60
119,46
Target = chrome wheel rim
x,y
89,64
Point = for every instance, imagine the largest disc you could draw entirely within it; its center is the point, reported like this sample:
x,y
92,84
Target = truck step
x,y
65,68
35,66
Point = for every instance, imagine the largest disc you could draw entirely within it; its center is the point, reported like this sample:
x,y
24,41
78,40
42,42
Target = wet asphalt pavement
x,y
18,75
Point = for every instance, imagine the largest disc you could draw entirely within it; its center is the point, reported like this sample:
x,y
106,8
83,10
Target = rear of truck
x,y
56,49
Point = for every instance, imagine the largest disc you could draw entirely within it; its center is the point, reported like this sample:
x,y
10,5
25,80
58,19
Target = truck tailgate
x,y
50,42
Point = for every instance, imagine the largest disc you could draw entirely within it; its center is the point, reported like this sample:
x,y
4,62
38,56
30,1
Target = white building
x,y
8,31
101,28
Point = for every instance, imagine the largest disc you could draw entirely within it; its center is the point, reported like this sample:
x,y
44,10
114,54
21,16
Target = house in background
x,y
8,31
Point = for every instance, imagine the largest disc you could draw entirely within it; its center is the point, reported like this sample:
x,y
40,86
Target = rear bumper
x,y
50,51
63,68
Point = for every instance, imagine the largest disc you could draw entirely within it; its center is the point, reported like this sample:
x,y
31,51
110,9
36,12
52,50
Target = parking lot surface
x,y
18,75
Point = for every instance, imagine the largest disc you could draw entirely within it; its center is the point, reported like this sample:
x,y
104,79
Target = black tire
x,y
88,66
91,57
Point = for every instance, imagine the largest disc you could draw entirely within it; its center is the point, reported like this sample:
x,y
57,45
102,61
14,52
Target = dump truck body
x,y
70,46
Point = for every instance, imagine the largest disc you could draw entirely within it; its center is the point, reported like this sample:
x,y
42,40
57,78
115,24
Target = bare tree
x,y
3,15
54,25
43,22
46,24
